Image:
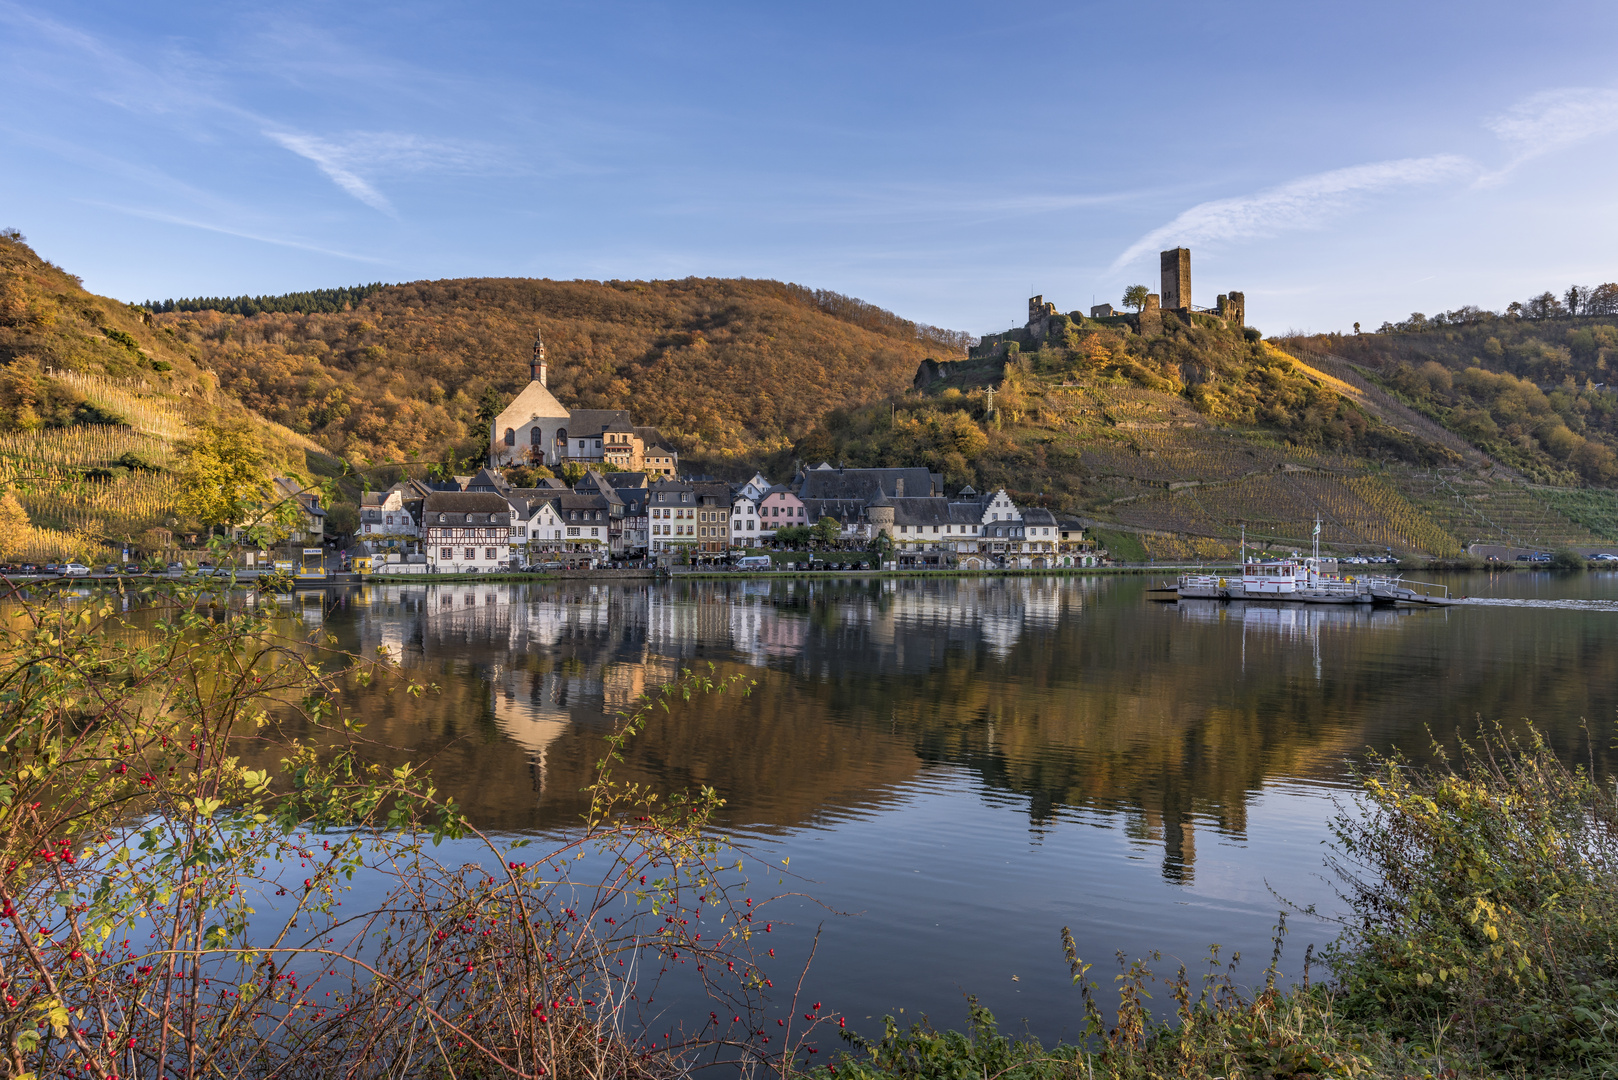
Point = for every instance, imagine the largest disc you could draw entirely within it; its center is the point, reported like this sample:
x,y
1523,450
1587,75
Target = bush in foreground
x,y
1482,940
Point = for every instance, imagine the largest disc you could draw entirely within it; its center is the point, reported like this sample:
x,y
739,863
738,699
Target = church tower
x,y
536,366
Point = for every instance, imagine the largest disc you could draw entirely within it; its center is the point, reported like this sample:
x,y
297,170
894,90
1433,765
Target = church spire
x,y
536,366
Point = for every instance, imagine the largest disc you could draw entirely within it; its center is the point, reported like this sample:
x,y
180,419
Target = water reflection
x,y
1064,694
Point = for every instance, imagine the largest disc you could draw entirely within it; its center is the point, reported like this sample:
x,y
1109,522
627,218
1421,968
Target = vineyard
x,y
1476,510
79,489
132,400
1362,512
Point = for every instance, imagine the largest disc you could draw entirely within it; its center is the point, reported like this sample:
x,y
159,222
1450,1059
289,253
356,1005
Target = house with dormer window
x,y
466,532
671,508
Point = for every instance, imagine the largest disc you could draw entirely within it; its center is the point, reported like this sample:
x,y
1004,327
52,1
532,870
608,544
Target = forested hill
x,y
1537,394
728,369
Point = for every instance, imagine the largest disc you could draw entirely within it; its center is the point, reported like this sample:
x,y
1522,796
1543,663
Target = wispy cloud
x,y
1305,203
279,241
1554,120
343,160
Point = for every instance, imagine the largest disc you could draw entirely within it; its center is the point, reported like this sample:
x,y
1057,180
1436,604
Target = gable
x,y
534,400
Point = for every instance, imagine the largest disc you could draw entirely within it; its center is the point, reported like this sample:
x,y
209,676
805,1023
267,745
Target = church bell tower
x,y
536,366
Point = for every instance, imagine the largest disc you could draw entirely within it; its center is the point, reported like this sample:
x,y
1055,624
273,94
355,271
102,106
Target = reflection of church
x,y
536,429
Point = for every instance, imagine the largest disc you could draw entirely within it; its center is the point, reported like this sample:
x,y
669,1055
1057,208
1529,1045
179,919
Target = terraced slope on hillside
x,y
1185,440
93,399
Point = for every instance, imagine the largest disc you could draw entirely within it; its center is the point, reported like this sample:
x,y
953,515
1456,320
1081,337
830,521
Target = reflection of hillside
x,y
1068,694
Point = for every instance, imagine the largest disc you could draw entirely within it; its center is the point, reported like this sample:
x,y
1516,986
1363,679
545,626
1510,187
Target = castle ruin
x,y
1172,301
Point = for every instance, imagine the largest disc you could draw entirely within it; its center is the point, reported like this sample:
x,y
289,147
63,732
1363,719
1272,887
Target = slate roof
x,y
453,508
635,499
935,511
824,483
1036,516
590,423
586,502
844,510
712,493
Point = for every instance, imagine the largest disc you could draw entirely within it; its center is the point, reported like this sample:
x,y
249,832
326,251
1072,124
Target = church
x,y
536,429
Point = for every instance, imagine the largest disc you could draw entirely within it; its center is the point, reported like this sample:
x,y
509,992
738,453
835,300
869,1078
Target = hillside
x,y
1535,394
730,370
1176,441
93,399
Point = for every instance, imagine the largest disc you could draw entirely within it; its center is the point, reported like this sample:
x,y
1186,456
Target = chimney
x,y
899,488
536,366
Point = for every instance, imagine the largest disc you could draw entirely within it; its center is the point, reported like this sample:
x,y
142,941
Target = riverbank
x,y
1480,941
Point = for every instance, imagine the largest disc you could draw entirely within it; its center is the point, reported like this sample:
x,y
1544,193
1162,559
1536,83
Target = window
x,y
471,554
446,554
488,553
573,530
534,437
511,437
595,532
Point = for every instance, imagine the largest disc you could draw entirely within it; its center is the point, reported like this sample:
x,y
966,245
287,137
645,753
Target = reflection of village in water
x,y
1071,697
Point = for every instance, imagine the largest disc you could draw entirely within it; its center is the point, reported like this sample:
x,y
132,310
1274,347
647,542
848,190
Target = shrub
x,y
1569,559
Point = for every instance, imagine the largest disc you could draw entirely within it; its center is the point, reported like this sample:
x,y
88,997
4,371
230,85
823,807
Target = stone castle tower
x,y
1176,273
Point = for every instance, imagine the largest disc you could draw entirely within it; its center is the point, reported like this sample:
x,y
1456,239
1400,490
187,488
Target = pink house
x,y
780,508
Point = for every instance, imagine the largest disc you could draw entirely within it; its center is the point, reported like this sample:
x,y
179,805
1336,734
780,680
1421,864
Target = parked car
x,y
1605,556
1539,557
175,568
74,569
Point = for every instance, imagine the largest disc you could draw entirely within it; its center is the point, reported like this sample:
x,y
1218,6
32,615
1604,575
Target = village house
x,y
780,508
385,523
310,524
536,523
466,532
635,522
713,502
672,517
744,515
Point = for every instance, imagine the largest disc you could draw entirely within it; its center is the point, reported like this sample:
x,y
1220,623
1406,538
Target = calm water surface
x,y
959,768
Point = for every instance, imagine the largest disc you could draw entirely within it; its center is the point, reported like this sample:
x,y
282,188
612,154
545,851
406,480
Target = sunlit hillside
x,y
728,369
1179,441
93,399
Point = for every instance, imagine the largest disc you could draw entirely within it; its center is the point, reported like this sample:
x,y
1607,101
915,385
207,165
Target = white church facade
x,y
536,429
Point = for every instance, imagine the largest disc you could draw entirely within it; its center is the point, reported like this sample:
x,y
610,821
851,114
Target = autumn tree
x,y
223,477
1135,297
15,529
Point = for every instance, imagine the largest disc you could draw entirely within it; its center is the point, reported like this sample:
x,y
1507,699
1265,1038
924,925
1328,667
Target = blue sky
x,y
1337,162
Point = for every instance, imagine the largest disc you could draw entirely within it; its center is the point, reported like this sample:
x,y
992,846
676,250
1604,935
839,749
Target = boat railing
x,y
1425,585
1331,587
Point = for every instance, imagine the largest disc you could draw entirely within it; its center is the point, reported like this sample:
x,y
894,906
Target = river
x,y
958,768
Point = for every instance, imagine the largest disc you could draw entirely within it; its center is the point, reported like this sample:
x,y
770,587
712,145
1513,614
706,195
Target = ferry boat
x,y
1311,580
